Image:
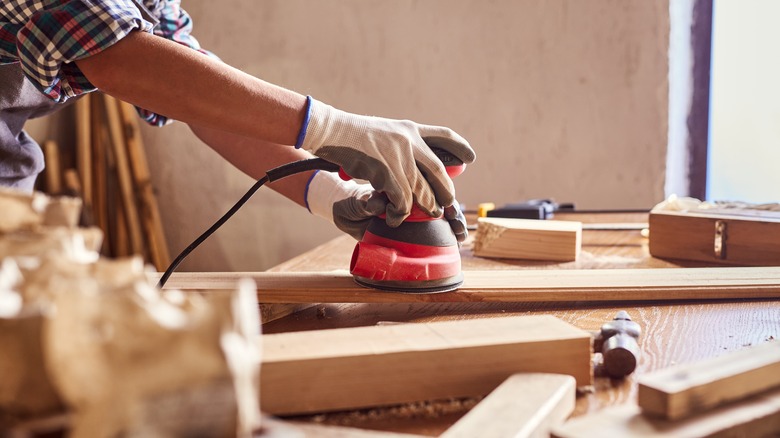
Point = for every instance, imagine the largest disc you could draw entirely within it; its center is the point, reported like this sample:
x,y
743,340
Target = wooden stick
x,y
326,370
525,405
99,167
754,417
84,148
51,153
150,214
508,285
123,173
681,391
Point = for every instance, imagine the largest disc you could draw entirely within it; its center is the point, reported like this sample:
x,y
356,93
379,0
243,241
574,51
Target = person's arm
x,y
255,157
171,79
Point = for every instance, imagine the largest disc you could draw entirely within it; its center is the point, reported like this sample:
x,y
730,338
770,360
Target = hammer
x,y
617,343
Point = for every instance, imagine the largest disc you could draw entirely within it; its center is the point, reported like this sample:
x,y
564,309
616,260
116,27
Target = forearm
x,y
180,83
255,157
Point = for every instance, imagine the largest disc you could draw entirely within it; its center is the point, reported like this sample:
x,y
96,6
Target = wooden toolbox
x,y
723,236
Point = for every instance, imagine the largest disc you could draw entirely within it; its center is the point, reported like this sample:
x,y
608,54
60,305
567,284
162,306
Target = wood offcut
x,y
684,390
528,239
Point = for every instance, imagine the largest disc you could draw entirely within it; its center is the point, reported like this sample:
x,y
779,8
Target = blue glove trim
x,y
305,125
306,191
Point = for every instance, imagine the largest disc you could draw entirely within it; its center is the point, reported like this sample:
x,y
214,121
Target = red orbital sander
x,y
419,256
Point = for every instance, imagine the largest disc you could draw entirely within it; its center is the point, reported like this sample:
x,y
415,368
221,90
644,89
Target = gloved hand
x,y
347,204
391,154
350,206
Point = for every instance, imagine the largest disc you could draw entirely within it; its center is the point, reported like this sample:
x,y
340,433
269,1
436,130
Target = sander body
x,y
421,255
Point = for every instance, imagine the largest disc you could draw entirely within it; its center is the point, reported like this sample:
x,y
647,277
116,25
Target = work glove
x,y
393,155
350,205
346,204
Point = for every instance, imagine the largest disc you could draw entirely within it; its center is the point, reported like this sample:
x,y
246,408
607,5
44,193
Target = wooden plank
x,y
507,286
84,148
525,405
327,370
149,211
99,169
745,240
51,152
683,390
755,417
528,239
123,173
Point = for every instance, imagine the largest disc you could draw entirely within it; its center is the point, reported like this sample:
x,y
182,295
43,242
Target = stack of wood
x,y
111,175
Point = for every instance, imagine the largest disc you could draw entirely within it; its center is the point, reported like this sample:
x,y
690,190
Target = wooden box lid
x,y
719,236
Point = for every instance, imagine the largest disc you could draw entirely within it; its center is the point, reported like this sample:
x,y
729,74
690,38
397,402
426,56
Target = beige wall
x,y
560,98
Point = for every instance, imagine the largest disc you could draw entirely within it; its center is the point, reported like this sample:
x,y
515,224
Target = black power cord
x,y
270,176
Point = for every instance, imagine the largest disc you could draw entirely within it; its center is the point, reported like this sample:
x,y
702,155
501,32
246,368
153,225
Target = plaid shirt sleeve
x,y
46,36
176,25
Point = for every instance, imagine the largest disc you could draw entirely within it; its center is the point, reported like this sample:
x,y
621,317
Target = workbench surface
x,y
672,333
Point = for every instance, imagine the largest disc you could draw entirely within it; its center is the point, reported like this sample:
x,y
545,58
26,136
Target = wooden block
x,y
717,237
528,239
683,390
755,417
328,370
525,405
506,285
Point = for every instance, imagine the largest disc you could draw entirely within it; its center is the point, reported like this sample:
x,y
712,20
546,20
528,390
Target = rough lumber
x,y
755,417
528,239
681,391
525,405
338,369
508,285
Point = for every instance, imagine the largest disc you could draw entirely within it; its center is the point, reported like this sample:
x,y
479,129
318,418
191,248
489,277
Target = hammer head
x,y
617,342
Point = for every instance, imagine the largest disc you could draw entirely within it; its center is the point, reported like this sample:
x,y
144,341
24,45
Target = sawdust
x,y
417,410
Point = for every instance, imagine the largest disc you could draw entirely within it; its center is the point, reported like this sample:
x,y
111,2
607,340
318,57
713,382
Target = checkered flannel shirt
x,y
46,36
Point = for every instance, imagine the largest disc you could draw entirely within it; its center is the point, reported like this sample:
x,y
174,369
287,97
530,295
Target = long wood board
x,y
686,389
339,369
507,286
